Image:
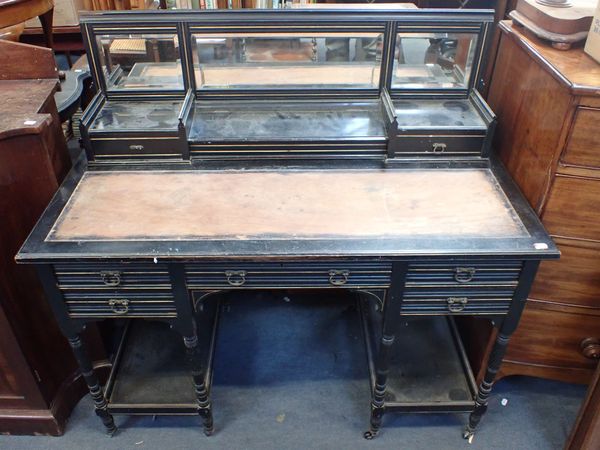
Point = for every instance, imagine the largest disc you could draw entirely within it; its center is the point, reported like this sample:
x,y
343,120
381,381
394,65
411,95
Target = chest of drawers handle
x,y
456,304
119,305
464,274
590,347
338,277
236,277
438,147
111,277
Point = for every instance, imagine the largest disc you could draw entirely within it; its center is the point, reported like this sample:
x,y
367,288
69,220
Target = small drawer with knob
x,y
136,147
439,145
288,275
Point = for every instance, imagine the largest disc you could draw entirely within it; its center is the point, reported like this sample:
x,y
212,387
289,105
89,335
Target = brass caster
x,y
369,435
468,435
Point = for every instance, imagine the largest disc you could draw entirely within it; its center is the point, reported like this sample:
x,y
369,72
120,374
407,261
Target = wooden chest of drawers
x,y
548,108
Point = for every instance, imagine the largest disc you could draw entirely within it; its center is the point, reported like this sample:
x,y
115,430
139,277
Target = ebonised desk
x,y
384,188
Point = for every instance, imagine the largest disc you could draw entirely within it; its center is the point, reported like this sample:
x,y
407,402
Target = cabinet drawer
x,y
574,279
439,145
573,209
135,147
554,339
583,146
330,274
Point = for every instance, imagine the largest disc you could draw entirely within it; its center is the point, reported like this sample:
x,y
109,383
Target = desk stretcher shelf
x,y
429,370
151,374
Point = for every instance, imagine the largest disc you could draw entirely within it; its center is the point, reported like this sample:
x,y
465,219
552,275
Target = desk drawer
x,y
457,301
432,144
136,147
460,287
291,275
99,290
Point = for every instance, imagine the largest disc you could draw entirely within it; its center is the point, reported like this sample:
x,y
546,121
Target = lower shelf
x,y
429,370
151,375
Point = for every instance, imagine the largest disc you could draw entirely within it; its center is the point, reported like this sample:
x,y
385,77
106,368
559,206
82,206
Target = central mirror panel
x,y
305,60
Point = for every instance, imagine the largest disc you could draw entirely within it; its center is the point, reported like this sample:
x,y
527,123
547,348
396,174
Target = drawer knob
x,y
438,147
456,304
590,347
119,305
338,277
111,277
236,277
464,274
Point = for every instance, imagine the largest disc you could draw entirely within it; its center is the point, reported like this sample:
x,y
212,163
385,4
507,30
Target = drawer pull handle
x,y
111,277
136,147
457,304
338,277
438,147
590,347
236,277
464,274
119,305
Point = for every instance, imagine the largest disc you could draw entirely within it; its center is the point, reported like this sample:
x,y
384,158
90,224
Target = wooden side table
x,y
13,12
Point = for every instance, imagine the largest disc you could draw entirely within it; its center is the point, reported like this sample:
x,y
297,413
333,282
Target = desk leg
x,y
485,388
507,328
91,379
199,377
391,319
46,20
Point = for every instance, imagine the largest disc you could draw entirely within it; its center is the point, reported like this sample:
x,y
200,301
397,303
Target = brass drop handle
x,y
111,277
338,277
119,305
438,147
464,274
590,347
136,147
236,277
457,304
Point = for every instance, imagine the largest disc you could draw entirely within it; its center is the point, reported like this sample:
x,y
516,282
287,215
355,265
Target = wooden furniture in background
x,y
586,432
13,12
39,382
548,107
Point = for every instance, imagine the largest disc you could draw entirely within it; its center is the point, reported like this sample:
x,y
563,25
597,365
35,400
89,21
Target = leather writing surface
x,y
167,205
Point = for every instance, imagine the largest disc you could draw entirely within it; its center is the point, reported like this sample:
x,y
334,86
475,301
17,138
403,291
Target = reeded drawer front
x,y
332,274
461,287
98,290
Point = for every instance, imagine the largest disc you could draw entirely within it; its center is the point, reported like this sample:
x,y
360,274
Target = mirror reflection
x,y
287,60
433,60
141,61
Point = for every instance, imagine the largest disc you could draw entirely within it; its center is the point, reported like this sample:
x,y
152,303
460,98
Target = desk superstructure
x,y
297,149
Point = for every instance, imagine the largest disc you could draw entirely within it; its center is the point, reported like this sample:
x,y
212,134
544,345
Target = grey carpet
x,y
290,374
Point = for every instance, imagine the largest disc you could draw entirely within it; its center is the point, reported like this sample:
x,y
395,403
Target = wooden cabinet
x,y
548,107
39,382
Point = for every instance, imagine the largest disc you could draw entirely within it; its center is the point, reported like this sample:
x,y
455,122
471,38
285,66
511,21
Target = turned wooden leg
x,y
46,20
91,379
199,376
391,319
378,399
481,401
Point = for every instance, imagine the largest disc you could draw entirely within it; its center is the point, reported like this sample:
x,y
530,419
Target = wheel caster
x,y
369,435
468,435
209,432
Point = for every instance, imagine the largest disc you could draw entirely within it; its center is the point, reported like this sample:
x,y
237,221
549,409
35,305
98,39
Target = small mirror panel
x,y
140,61
433,60
263,61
